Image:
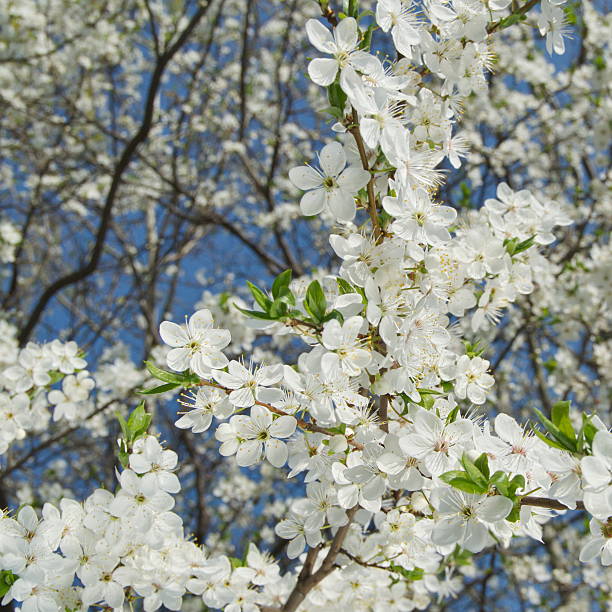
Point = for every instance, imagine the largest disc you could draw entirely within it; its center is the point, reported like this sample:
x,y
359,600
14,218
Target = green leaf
x,y
500,481
510,20
366,41
451,417
235,562
341,429
517,482
184,379
588,430
474,474
523,246
259,296
344,286
482,463
560,417
515,513
138,422
413,574
55,376
546,439
338,114
447,386
334,314
451,475
255,314
281,282
463,484
7,578
315,302
336,96
566,442
278,309
161,389
430,392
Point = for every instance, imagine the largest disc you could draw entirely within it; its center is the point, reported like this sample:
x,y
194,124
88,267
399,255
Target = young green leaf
x,y
565,441
255,314
560,417
463,484
451,475
482,463
160,389
315,302
474,474
259,296
281,282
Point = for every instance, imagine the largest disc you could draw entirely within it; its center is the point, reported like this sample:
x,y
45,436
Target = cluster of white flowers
x,y
365,464
384,392
123,546
10,237
379,414
26,376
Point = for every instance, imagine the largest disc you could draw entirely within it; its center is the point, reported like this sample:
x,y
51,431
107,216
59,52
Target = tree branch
x,y
123,164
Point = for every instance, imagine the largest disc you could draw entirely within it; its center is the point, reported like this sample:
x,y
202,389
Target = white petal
x,y
332,159
178,359
591,549
447,532
348,496
508,429
276,452
476,538
173,334
320,37
390,463
494,509
323,71
296,546
353,179
168,482
305,177
346,34
261,417
248,453
342,205
283,427
370,131
595,472
242,398
312,202
602,445
202,319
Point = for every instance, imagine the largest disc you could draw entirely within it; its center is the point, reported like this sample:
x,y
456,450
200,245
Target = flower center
x,y
329,183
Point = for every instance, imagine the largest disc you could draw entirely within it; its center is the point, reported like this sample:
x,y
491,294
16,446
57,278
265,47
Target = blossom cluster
x,y
380,416
112,549
26,377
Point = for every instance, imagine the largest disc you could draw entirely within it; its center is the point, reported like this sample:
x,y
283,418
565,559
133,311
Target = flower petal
x,y
323,71
276,452
305,177
283,427
332,159
248,453
312,202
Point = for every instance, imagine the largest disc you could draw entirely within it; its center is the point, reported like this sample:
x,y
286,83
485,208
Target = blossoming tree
x,y
388,422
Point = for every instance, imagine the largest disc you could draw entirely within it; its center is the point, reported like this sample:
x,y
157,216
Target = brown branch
x,y
546,502
301,423
372,211
523,10
307,580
